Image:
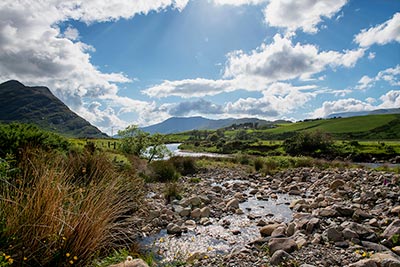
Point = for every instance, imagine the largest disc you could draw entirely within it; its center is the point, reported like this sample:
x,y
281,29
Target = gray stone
x,y
286,244
232,204
268,229
196,213
332,234
364,263
205,212
390,231
173,229
280,256
129,262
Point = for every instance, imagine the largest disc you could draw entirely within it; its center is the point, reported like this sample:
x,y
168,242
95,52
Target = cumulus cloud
x,y
255,71
390,75
389,100
304,15
387,32
34,51
238,2
277,100
190,108
283,60
342,105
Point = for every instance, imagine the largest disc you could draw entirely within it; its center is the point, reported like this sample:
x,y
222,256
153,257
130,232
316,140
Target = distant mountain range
x,y
183,124
37,105
364,113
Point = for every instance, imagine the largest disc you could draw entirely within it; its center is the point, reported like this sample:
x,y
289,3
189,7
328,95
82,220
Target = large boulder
x,y
286,244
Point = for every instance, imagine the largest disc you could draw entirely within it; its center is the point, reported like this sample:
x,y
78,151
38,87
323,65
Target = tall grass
x,y
54,215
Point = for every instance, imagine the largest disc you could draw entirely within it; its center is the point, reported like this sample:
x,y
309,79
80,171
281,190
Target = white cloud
x,y
277,100
35,52
282,60
390,75
304,14
384,33
342,105
371,55
238,2
364,82
279,61
391,99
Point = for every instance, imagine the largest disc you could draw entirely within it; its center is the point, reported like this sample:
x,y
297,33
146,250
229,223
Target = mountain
x,y
183,124
37,105
364,113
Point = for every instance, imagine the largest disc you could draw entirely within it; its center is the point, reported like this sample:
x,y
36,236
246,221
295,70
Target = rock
x,y
395,210
307,265
386,259
205,212
196,213
328,212
129,262
279,257
185,212
392,230
312,224
194,201
261,223
349,234
332,234
344,211
336,184
232,204
173,229
396,250
190,224
268,229
364,263
286,244
280,231
205,221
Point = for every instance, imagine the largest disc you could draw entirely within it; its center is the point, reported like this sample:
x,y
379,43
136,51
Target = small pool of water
x,y
222,235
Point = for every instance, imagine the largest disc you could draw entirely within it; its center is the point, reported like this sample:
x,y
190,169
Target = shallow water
x,y
220,237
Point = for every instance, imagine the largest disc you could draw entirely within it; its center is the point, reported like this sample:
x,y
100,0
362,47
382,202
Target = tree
x,y
139,143
157,148
134,140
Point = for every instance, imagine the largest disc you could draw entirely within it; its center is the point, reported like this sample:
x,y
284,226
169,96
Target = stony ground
x,y
339,217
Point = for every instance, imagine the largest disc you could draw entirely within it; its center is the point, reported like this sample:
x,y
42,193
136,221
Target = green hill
x,y
37,105
370,127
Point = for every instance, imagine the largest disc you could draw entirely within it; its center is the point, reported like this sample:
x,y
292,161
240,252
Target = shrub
x,y
163,171
172,191
309,144
184,165
258,164
16,137
51,220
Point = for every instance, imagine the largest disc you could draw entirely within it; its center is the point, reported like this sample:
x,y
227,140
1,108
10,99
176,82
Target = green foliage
x,y
258,164
51,218
184,165
163,171
172,191
134,141
16,137
309,143
116,256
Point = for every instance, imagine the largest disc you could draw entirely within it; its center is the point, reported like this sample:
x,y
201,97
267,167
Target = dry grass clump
x,y
64,211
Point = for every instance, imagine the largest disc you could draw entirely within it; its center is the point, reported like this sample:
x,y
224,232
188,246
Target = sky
x,y
119,62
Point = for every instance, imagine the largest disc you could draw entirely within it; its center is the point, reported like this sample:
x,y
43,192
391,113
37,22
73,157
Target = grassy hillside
x,y
369,127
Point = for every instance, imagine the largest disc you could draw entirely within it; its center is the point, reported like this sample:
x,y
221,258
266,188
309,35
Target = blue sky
x,y
119,62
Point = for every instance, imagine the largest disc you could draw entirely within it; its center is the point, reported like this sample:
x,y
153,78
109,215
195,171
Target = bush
x,y
184,165
172,191
163,171
50,219
309,144
258,164
17,137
